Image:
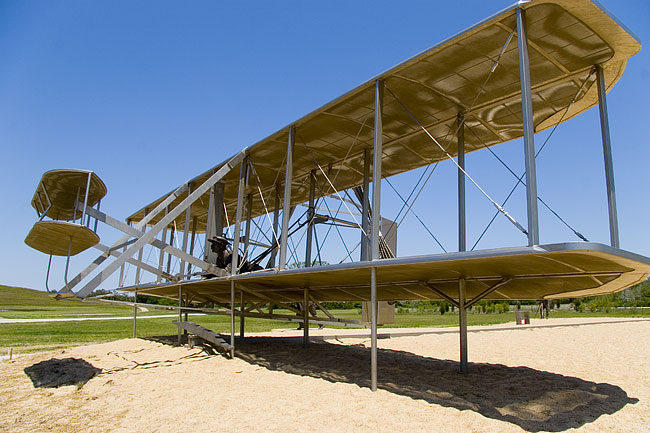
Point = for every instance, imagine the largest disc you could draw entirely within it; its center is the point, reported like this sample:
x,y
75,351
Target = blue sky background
x,y
151,93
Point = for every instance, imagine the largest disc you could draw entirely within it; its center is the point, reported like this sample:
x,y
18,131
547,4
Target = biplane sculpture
x,y
526,69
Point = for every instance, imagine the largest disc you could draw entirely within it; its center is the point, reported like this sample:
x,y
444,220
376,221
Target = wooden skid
x,y
204,333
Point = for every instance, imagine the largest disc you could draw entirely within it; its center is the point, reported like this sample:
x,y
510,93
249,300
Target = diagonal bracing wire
x,y
415,215
519,178
521,182
471,179
336,227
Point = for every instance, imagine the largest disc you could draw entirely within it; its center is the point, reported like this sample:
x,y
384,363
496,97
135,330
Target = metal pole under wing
x,y
286,205
462,237
462,316
529,128
135,311
305,315
607,151
376,197
241,314
180,311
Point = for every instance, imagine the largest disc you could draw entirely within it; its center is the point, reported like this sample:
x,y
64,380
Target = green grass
x,y
31,337
20,303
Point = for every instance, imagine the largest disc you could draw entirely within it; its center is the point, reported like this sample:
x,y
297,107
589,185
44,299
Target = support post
x,y
232,318
376,212
276,220
241,314
305,318
286,205
365,208
462,316
462,236
135,310
180,311
310,218
607,152
373,329
529,128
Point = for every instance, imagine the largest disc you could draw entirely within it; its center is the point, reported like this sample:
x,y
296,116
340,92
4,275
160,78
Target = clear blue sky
x,y
150,93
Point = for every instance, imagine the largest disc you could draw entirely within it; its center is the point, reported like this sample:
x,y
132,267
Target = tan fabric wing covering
x,y
61,188
567,38
54,237
574,269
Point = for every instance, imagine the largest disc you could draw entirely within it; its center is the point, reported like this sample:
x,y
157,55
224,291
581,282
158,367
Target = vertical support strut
x,y
169,256
286,205
276,219
123,267
376,197
462,236
192,239
529,128
462,316
161,257
247,231
137,268
305,317
83,214
365,208
234,267
310,218
376,168
208,255
186,234
607,151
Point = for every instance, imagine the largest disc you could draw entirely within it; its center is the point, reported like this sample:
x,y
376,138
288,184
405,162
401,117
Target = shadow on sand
x,y
58,372
532,399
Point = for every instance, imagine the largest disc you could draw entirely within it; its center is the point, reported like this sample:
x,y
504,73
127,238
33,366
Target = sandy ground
x,y
593,377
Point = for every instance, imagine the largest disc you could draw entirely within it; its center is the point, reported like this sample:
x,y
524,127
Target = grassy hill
x,y
21,303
